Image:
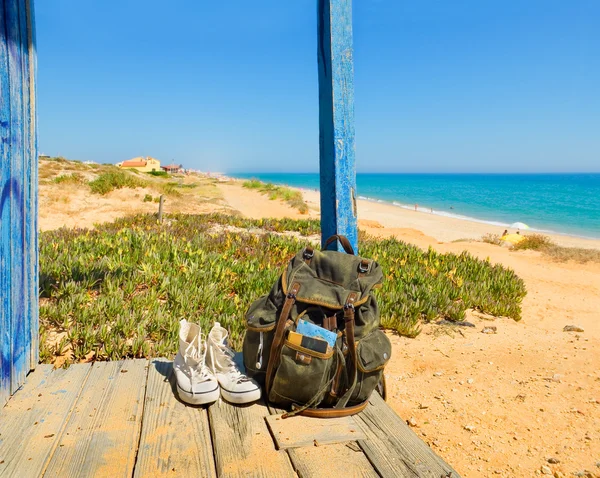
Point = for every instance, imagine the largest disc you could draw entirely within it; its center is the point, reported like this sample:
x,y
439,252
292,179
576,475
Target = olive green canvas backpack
x,y
332,290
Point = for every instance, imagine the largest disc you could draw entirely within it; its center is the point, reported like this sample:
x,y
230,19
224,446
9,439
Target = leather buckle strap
x,y
351,366
308,254
330,323
278,338
363,267
334,412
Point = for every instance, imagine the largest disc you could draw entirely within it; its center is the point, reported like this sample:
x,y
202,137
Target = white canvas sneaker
x,y
196,384
235,386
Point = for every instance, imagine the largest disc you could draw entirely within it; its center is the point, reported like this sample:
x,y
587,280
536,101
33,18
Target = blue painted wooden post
x,y
18,197
336,120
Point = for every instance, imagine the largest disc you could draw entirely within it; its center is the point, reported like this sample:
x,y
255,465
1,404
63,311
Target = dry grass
x,y
539,242
576,254
491,239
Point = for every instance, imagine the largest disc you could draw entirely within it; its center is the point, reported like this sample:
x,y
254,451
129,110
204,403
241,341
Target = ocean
x,y
552,203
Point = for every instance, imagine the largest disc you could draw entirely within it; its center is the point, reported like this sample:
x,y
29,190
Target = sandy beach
x,y
521,402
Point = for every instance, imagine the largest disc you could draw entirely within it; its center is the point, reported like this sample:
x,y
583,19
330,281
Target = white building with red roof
x,y
141,163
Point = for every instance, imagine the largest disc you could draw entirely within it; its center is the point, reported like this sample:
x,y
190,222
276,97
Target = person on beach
x,y
416,206
505,232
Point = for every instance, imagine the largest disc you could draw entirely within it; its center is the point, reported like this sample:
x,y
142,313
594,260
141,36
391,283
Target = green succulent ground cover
x,y
120,290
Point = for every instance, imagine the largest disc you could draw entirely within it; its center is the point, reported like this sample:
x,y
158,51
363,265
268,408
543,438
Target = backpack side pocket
x,y
372,353
260,329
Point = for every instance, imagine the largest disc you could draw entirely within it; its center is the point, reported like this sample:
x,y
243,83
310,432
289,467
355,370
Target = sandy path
x,y
255,205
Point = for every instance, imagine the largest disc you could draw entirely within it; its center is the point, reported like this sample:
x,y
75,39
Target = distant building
x,y
144,164
173,168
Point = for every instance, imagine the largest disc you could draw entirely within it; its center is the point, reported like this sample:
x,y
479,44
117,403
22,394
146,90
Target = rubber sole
x,y
241,397
198,398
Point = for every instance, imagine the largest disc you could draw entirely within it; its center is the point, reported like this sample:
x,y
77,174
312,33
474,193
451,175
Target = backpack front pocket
x,y
303,376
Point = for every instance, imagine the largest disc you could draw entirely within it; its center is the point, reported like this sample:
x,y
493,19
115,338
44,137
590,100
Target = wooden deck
x,y
122,418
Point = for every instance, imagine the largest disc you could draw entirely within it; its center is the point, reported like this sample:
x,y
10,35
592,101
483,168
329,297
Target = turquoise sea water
x,y
558,203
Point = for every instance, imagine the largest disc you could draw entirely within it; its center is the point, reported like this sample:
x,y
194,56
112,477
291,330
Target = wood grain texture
x,y
18,197
5,239
27,215
102,434
394,449
242,443
301,431
175,438
33,420
336,120
335,460
31,187
19,341
332,461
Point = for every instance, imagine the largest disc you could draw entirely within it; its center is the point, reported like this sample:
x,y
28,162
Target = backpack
x,y
332,290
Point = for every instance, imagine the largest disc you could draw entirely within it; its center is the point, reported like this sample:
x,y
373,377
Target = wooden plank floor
x,y
111,419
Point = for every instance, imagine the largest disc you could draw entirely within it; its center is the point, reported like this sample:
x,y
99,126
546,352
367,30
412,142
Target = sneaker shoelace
x,y
233,372
193,352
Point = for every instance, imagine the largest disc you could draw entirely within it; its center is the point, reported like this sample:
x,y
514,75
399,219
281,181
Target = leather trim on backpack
x,y
332,412
278,339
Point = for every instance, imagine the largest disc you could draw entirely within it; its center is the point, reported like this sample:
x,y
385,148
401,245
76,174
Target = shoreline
x,y
376,216
569,236
459,217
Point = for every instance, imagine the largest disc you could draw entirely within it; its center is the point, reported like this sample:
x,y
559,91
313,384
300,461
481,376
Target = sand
x,y
490,404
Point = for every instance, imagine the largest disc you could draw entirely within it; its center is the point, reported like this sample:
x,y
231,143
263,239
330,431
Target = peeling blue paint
x,y
336,121
18,197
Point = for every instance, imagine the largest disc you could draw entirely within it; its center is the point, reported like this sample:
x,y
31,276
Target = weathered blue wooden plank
x,y
32,241
5,253
19,341
28,306
336,120
18,197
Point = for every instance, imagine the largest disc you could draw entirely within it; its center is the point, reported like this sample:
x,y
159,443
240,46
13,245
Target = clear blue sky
x,y
440,86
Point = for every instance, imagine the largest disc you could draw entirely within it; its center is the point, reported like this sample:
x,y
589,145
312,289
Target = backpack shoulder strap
x,y
343,241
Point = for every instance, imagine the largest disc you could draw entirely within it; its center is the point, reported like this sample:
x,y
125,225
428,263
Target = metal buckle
x,y
363,267
308,254
349,306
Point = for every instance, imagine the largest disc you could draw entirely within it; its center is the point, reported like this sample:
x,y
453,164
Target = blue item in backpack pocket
x,y
312,330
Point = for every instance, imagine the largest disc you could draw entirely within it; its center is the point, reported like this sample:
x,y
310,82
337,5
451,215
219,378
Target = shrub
x,y
119,290
148,198
74,178
491,239
536,242
110,180
253,184
162,174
